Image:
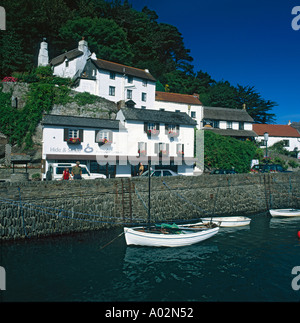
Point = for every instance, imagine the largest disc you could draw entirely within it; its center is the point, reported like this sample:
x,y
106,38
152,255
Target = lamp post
x,y
266,138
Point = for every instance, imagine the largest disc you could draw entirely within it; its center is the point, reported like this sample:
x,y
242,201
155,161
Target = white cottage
x,y
116,147
167,138
235,123
289,135
112,81
68,139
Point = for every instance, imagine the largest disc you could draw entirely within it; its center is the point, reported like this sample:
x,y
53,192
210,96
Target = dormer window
x,y
152,129
172,130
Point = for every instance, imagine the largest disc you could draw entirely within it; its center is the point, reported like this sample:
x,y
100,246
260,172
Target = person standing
x,y
66,174
141,169
77,171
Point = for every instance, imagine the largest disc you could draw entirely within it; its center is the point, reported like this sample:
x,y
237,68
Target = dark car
x,y
268,168
223,171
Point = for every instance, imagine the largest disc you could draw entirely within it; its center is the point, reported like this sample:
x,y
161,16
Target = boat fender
x,y
298,234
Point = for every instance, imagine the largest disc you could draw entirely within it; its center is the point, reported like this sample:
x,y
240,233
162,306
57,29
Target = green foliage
x,y
85,98
293,164
226,152
19,125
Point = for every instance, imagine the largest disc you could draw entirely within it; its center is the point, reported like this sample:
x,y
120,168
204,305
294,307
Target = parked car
x,y
223,171
55,171
268,168
160,172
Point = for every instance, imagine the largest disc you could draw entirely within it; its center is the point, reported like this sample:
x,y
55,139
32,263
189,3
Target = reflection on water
x,y
251,263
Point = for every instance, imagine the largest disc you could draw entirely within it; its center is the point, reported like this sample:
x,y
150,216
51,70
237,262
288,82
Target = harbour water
x,y
251,263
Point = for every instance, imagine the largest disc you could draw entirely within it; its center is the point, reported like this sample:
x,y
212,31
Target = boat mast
x,y
149,187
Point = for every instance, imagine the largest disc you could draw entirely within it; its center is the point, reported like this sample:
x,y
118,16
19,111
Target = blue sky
x,y
244,42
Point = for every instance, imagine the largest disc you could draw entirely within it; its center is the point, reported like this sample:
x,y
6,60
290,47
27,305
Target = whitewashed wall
x,y
294,142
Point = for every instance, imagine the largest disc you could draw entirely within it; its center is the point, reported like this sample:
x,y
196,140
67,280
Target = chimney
x,y
196,95
43,59
289,123
83,45
244,106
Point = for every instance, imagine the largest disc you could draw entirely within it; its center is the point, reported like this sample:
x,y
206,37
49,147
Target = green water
x,y
251,263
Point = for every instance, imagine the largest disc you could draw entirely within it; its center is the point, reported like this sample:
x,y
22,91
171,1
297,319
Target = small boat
x,y
285,212
227,221
161,237
166,235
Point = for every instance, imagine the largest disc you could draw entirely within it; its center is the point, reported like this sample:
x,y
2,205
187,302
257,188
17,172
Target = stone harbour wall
x,y
37,209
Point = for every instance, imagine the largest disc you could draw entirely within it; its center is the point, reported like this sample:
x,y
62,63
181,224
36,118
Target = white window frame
x,y
73,133
112,90
129,94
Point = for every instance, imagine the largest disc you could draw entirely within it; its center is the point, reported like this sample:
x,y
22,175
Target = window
x,y
157,173
112,91
207,123
142,148
73,133
143,107
180,149
67,63
216,124
145,82
144,97
103,136
193,114
172,130
151,128
162,149
177,110
130,79
129,94
241,125
286,143
229,124
112,75
167,173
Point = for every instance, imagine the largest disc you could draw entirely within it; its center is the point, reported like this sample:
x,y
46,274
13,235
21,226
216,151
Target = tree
x,y
104,37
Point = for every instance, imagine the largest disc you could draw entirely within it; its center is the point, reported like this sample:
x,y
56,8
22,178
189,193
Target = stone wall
x,y
35,209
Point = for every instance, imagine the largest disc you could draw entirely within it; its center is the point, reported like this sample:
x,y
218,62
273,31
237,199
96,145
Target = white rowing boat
x,y
228,221
285,212
154,237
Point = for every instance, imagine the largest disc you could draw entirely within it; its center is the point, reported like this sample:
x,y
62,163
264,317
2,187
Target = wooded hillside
x,y
117,32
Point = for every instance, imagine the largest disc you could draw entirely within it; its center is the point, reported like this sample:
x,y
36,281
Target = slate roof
x,y
232,132
177,98
158,116
69,55
81,122
226,114
296,125
123,69
276,130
